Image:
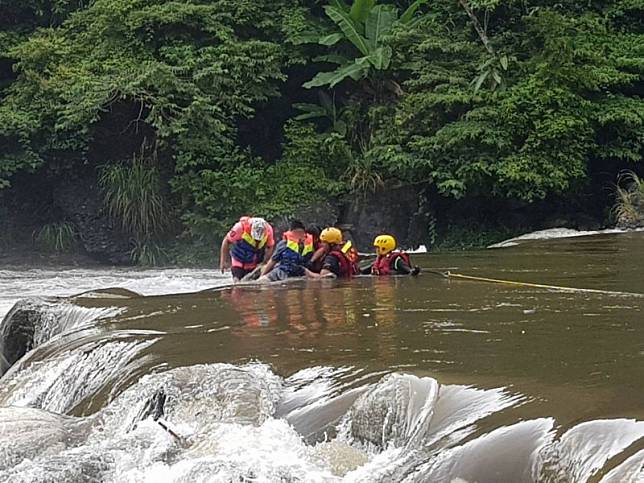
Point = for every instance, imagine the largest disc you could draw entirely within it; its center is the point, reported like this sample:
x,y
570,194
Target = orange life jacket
x,y
384,264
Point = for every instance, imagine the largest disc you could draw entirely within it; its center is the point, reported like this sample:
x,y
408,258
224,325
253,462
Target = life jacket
x,y
297,253
384,264
248,250
347,257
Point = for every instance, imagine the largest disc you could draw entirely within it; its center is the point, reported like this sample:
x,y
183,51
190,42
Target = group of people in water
x,y
308,251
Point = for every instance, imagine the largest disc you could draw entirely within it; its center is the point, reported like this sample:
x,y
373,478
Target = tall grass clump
x,y
134,200
629,204
56,237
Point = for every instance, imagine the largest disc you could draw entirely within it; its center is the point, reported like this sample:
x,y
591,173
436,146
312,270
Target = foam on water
x,y
20,283
58,383
225,428
556,233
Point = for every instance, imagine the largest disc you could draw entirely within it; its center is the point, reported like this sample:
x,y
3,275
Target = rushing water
x,y
396,379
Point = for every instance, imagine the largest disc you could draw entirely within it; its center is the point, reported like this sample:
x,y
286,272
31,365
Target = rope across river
x,y
460,276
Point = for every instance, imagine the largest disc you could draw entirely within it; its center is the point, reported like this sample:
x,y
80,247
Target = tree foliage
x,y
481,98
366,27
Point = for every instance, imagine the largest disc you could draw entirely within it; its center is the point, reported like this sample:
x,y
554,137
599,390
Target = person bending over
x,y
249,242
292,254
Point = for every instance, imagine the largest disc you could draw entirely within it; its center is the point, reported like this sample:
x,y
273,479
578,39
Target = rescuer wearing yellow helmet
x,y
342,258
388,260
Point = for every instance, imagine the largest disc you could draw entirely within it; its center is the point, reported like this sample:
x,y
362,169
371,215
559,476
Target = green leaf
x,y
381,57
340,127
497,76
310,111
486,64
309,115
355,71
348,27
340,4
479,81
408,14
379,22
504,62
305,38
331,39
360,9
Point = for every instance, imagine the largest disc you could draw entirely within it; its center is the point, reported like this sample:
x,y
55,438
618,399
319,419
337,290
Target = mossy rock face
x,y
81,202
402,212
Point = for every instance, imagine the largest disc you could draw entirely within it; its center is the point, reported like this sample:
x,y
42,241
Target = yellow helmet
x,y
384,244
332,236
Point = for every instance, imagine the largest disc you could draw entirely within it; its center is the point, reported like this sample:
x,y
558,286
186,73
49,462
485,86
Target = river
x,y
371,380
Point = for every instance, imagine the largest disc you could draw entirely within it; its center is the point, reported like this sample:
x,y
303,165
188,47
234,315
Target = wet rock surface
x,y
401,212
397,411
34,321
81,202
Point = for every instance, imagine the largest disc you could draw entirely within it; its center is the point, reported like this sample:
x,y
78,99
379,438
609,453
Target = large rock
x,y
397,410
17,331
81,202
402,212
33,321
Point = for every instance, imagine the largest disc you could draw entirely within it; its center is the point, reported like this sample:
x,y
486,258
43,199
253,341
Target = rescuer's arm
x,y
225,244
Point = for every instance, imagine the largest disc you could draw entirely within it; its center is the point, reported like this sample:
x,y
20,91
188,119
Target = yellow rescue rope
x,y
460,276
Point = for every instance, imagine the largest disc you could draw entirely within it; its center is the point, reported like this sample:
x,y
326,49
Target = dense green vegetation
x,y
262,106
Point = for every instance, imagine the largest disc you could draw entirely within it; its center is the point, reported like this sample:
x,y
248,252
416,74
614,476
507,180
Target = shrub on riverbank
x,y
59,237
629,205
503,102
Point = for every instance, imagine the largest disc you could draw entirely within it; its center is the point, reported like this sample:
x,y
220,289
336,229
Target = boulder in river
x,y
397,410
33,321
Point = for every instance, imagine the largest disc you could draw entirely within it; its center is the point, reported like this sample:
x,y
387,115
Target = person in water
x,y
249,243
388,260
292,254
341,259
320,248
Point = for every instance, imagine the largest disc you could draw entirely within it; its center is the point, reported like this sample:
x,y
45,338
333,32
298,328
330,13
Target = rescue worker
x,y
320,248
341,259
249,243
388,260
292,255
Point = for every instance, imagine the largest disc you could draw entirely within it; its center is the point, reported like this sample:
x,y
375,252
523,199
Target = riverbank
x,y
199,255
28,257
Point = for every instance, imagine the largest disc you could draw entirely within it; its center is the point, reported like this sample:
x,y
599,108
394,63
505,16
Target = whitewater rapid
x,y
20,283
17,283
371,380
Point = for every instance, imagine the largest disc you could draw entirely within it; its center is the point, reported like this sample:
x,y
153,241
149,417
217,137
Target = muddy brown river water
x,y
371,379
